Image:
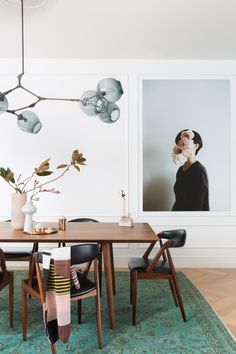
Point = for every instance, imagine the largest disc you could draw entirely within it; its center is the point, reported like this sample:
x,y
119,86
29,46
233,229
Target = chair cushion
x,y
15,254
141,264
86,286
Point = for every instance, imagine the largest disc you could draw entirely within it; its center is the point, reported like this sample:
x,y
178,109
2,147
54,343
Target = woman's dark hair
x,y
196,139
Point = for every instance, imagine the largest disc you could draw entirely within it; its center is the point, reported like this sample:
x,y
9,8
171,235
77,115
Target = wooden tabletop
x,y
84,232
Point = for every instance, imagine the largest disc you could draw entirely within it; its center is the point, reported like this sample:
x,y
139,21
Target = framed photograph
x,y
170,106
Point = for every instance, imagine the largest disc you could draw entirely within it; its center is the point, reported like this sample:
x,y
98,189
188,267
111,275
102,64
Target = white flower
x,y
179,159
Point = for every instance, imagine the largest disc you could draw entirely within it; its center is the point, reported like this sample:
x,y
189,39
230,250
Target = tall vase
x,y
29,209
17,217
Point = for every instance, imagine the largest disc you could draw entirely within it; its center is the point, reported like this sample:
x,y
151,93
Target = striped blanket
x,y
57,276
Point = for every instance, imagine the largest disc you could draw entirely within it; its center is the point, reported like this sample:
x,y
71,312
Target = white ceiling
x,y
150,29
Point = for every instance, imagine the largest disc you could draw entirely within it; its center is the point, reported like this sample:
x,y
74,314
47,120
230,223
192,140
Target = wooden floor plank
x,y
218,286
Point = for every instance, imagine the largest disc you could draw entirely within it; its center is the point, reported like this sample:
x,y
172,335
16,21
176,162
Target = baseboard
x,y
190,262
121,263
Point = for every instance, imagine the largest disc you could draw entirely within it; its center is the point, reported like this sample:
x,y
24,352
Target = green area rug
x,y
160,328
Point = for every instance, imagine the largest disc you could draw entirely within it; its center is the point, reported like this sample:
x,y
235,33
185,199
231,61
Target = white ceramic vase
x,y
28,209
17,216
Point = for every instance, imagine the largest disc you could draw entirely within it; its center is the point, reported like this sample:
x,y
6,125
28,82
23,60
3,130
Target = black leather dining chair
x,y
157,268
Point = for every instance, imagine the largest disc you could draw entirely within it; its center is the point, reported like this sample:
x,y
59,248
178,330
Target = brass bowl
x,y
43,231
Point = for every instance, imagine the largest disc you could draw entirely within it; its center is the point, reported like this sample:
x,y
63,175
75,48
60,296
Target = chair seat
x,y
86,286
141,265
15,254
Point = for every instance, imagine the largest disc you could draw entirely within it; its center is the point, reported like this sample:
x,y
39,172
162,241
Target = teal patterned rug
x,y
160,328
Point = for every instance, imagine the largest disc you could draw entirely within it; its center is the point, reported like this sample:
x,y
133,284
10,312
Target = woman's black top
x,y
191,189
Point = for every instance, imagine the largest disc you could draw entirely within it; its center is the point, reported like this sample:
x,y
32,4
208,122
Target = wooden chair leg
x,y
11,298
99,320
134,296
173,292
24,310
79,311
53,348
176,284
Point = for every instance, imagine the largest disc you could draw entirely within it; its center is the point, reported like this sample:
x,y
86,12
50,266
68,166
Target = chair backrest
x,y
84,253
178,237
81,253
83,220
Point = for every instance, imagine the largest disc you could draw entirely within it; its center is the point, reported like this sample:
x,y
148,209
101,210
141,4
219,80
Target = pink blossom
x,y
184,147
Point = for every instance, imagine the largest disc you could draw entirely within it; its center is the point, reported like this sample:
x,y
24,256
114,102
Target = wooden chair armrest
x,y
149,250
160,253
40,282
87,269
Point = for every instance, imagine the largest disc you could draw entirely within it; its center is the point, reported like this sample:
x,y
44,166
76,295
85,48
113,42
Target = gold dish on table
x,y
43,231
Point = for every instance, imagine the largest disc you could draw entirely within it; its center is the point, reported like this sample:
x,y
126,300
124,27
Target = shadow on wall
x,y
158,195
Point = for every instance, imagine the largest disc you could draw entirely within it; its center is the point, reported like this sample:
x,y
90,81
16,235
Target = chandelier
x,y
99,102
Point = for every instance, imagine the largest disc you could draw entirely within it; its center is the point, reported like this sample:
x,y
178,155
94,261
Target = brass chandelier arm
x,y
11,90
31,105
11,111
61,99
27,90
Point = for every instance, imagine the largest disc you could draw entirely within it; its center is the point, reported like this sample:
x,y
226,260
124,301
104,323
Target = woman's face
x,y
185,148
188,147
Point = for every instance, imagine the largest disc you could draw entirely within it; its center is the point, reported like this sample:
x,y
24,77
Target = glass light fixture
x,y
111,89
88,102
29,122
3,103
112,113
98,102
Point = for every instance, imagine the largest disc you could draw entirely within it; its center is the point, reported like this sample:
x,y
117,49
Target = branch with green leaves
x,y
43,170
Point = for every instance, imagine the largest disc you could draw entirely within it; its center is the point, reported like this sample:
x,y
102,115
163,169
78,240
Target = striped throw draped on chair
x,y
57,276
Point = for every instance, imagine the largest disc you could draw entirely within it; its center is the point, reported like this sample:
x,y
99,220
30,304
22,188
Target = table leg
x,y
109,283
113,270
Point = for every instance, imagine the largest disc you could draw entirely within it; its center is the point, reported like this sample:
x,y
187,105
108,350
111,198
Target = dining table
x,y
105,233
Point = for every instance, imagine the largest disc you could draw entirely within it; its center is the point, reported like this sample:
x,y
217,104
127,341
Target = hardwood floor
x,y
218,286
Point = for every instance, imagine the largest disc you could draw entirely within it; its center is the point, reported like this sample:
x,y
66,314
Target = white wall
x,y
114,152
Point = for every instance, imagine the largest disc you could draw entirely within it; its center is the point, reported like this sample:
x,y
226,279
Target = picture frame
x,y
217,92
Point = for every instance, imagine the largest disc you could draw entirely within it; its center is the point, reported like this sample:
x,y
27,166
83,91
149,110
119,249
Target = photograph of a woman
x,y
191,187
193,115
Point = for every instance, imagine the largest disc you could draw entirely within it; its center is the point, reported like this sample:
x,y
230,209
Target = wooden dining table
x,y
76,232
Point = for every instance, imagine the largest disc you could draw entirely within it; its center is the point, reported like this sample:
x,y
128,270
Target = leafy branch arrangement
x,y
22,185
